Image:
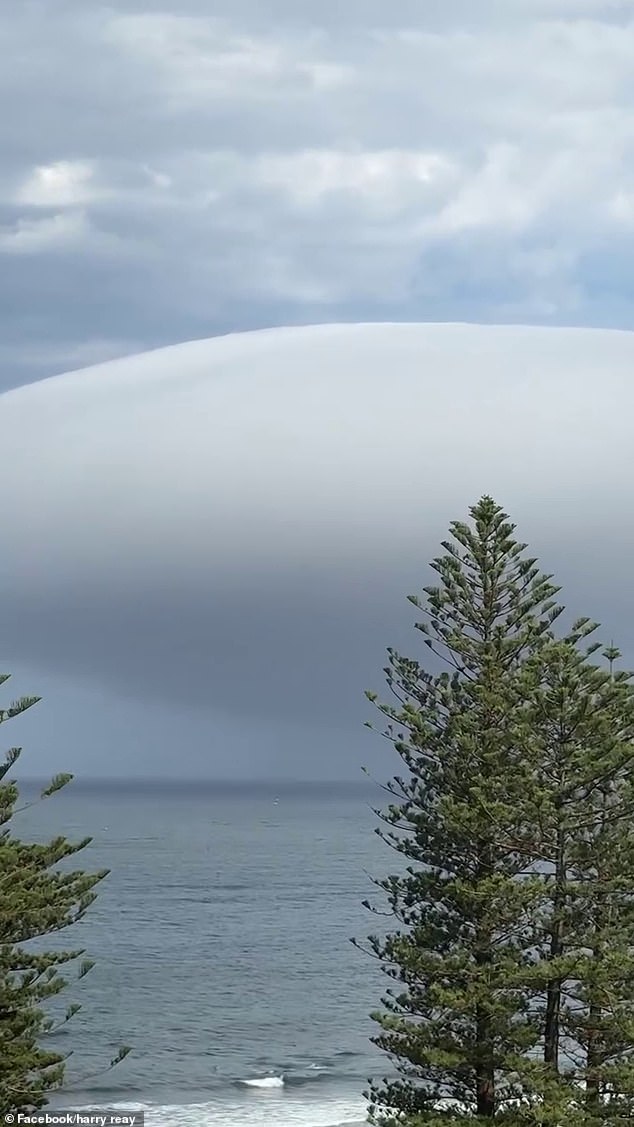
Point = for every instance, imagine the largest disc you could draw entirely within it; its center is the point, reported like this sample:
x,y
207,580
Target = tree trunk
x,y
553,1002
485,1068
485,1048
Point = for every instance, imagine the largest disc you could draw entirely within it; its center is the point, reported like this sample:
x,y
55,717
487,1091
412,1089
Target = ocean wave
x,y
289,1076
263,1082
289,1112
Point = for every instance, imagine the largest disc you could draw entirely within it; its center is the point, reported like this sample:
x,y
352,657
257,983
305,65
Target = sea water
x,y
222,948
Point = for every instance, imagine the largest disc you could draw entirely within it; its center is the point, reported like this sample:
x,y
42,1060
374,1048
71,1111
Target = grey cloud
x,y
235,523
267,165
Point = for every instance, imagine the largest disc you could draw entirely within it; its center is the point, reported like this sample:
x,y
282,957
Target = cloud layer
x,y
169,174
235,523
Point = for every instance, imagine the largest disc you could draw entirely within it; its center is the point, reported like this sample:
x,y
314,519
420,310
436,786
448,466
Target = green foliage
x,y
581,808
39,896
512,965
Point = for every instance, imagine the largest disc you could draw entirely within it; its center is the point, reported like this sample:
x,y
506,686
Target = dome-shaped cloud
x,y
239,519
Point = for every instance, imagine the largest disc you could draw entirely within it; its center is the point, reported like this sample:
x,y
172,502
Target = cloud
x,y
40,236
198,58
286,163
60,184
382,182
233,525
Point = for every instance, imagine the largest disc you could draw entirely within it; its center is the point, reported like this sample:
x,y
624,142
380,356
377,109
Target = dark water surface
x,y
222,946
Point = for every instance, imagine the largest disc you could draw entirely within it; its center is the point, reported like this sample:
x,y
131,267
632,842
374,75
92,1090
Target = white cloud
x,y
62,184
242,518
495,197
303,162
621,208
385,180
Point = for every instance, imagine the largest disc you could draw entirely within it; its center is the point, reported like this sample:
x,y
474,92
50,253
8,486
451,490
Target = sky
x,y
169,174
178,170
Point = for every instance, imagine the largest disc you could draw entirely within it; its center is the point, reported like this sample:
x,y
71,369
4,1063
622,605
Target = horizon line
x,y
195,779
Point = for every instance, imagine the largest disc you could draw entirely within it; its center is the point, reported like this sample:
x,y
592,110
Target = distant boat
x,y
276,801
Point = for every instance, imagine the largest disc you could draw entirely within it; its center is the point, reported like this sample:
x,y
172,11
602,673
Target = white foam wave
x,y
289,1112
264,1082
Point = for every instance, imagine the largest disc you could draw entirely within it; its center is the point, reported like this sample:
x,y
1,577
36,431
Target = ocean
x,y
222,948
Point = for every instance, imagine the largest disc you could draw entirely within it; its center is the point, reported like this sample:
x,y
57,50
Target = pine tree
x,y
39,897
578,806
589,763
516,958
459,1025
